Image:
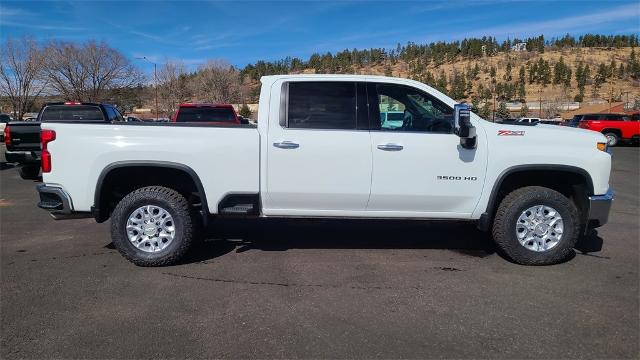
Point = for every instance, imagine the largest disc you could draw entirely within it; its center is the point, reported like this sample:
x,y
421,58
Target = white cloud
x,y
20,18
40,26
584,22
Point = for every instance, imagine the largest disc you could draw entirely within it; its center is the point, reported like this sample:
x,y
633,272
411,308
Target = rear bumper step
x,y
55,200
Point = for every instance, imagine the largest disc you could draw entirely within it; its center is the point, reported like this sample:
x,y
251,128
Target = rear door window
x,y
72,113
322,105
205,114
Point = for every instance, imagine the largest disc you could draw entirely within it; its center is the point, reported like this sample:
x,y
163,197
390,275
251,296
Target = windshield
x,y
205,114
72,113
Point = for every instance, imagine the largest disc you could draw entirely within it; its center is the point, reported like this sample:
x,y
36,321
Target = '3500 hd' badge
x,y
510,133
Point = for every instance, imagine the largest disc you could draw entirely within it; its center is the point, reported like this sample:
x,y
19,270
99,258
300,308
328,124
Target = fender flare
x,y
484,223
100,217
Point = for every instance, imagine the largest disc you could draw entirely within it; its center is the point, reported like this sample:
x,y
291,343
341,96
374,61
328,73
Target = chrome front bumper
x,y
599,207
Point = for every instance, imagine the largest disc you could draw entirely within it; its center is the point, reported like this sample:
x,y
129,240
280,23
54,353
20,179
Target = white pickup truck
x,y
322,149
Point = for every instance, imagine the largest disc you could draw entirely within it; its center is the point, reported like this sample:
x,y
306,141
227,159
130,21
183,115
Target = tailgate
x,y
25,136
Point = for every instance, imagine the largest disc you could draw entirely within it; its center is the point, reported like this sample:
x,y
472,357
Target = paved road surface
x,y
337,289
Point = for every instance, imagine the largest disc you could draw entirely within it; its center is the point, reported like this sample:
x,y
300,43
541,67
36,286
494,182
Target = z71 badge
x,y
510,133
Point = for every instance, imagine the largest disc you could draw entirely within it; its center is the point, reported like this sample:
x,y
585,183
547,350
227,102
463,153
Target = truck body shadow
x,y
240,235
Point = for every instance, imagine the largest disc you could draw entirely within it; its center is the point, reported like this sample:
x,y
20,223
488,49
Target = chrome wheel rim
x,y
539,228
611,140
150,228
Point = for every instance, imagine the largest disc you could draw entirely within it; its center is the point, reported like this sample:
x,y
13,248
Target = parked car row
x,y
616,127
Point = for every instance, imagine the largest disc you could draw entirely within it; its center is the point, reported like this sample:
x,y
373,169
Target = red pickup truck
x,y
206,113
616,127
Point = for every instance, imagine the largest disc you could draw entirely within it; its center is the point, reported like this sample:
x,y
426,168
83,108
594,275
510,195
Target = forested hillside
x,y
590,67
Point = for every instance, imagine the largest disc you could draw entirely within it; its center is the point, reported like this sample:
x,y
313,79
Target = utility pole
x,y
540,103
493,117
494,108
610,98
626,103
155,80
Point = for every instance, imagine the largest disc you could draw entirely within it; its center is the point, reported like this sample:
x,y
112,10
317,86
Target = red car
x,y
616,127
206,113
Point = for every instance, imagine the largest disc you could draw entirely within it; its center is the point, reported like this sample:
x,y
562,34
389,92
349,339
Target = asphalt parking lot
x,y
317,289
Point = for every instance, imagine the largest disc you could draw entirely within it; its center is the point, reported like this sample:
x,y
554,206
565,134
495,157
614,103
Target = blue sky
x,y
244,32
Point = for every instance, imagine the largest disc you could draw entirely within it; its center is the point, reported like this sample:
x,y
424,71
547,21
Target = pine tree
x,y
559,72
521,84
601,75
544,72
522,93
507,74
612,68
503,112
388,71
475,106
485,111
458,87
621,71
245,111
441,83
524,110
533,73
633,68
429,79
582,76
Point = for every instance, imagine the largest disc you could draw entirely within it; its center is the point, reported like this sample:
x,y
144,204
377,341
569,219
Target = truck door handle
x,y
286,145
390,147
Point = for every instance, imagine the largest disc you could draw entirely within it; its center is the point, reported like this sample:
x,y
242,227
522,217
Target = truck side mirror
x,y
463,127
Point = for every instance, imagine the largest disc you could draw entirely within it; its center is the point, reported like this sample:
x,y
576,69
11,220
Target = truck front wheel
x,y
612,138
536,226
152,226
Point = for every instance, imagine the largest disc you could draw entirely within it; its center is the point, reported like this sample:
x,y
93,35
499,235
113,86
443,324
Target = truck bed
x,y
225,158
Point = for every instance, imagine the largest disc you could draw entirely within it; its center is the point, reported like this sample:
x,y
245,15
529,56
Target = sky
x,y
244,32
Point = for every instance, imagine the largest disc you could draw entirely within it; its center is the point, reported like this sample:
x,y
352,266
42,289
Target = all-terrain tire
x,y
168,199
514,204
29,172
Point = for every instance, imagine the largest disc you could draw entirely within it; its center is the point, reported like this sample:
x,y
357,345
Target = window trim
x,y
284,105
376,105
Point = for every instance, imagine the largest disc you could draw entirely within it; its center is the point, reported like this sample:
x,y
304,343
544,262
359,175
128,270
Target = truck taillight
x,y
583,125
6,134
46,136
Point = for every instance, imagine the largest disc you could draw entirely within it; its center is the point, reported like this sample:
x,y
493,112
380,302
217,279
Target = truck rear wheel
x,y
152,226
536,226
